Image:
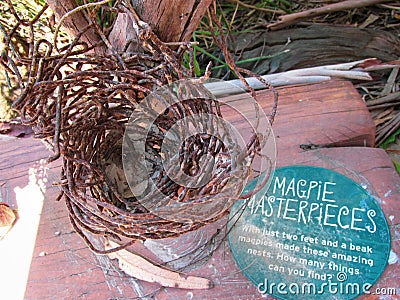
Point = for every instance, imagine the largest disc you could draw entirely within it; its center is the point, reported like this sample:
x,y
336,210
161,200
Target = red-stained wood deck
x,y
330,114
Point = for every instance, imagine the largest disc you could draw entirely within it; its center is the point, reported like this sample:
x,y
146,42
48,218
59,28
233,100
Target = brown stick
x,y
286,20
386,130
384,100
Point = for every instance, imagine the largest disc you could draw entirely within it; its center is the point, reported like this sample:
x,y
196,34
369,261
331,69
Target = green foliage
x,y
234,18
397,166
186,63
284,5
391,139
27,9
104,17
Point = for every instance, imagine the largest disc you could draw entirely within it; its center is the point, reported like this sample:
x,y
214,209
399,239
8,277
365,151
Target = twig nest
x,y
135,166
181,158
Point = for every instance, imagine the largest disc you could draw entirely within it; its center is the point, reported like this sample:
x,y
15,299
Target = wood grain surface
x,y
330,115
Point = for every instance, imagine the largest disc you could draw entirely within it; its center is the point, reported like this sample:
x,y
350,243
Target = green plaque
x,y
314,234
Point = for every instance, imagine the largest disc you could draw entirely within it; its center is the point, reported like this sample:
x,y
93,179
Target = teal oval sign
x,y
314,234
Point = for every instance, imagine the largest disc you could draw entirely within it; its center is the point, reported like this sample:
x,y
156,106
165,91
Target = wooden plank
x,y
370,167
330,113
81,270
70,271
62,266
22,189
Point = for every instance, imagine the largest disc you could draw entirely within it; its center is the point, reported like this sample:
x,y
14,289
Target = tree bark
x,y
76,22
171,20
312,46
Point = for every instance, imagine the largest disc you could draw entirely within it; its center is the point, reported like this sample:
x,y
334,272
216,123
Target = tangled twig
x,y
81,102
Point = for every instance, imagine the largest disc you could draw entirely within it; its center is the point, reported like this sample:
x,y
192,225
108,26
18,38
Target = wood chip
x,y
7,219
371,19
142,269
390,82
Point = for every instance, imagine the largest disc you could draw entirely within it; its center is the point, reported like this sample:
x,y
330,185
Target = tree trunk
x,y
171,20
76,22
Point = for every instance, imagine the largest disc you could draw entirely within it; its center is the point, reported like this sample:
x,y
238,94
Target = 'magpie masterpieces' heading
x,y
304,201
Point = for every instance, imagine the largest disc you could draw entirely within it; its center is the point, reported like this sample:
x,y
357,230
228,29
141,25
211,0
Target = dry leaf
x,y
7,219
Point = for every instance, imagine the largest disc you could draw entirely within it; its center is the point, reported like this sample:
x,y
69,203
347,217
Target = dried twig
x,y
290,19
269,10
387,89
388,129
353,70
389,99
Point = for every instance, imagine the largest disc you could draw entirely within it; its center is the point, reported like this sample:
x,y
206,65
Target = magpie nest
x,y
80,103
